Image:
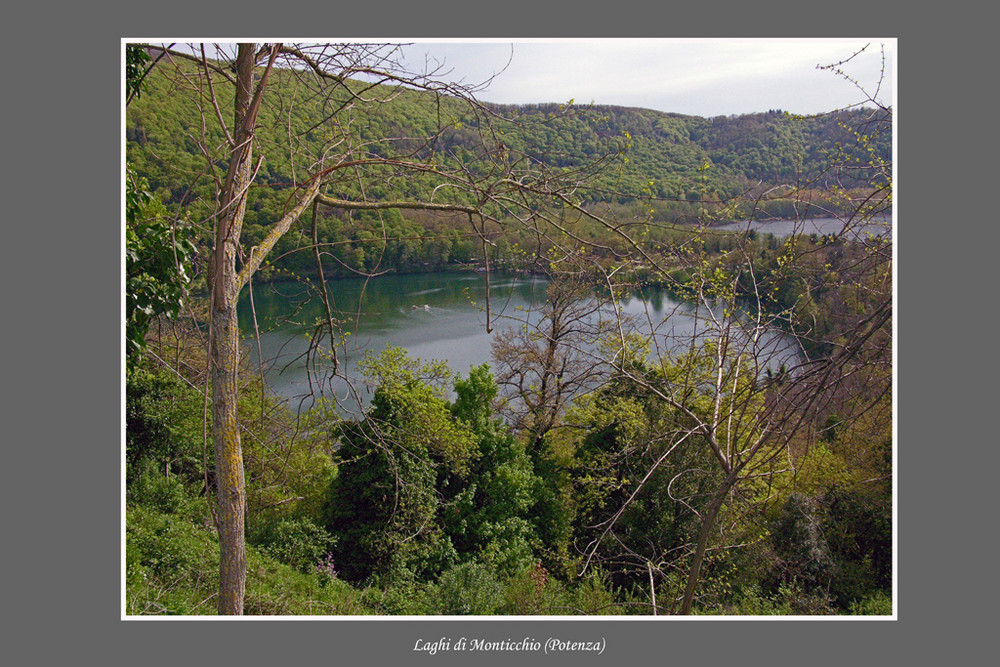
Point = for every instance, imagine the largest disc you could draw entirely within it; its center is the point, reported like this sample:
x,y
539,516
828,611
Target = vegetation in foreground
x,y
431,505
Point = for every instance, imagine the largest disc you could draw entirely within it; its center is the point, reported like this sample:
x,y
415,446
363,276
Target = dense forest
x,y
661,167
585,468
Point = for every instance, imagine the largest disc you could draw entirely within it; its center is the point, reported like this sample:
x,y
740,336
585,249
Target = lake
x,y
821,226
433,316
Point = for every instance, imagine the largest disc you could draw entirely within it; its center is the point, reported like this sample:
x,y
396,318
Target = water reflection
x,y
433,316
439,316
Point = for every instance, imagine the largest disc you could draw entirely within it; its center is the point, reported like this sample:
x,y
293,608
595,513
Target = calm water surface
x,y
436,316
821,226
433,316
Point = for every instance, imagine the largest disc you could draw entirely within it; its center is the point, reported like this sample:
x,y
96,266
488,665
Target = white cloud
x,y
705,78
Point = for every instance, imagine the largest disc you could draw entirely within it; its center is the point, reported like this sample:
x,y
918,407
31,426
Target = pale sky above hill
x,y
696,77
700,77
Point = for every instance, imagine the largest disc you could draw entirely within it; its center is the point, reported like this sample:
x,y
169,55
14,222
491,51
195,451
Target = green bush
x,y
533,591
274,588
525,592
155,490
162,426
877,604
799,539
470,589
404,598
594,595
170,548
790,600
171,567
171,564
296,542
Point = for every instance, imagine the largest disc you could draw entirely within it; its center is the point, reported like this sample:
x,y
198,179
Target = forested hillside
x,y
678,168
677,157
684,157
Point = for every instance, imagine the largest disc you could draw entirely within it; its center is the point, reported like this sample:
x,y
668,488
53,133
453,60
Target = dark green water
x,y
433,316
438,316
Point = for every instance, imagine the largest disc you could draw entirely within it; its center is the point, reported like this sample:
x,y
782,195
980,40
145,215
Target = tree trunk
x,y
225,351
228,456
694,574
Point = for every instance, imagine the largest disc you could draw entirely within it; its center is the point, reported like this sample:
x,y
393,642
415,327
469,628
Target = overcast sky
x,y
696,77
700,77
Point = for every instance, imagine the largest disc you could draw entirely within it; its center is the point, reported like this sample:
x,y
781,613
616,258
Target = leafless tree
x,y
543,364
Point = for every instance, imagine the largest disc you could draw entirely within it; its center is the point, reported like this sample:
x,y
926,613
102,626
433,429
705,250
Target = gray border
x,y
72,592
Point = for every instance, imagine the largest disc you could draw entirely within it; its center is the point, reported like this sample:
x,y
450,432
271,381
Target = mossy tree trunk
x,y
225,351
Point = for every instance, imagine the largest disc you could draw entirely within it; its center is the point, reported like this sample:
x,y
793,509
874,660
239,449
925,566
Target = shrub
x,y
470,589
877,604
790,600
171,567
526,591
404,598
534,591
296,542
154,489
162,427
799,539
170,548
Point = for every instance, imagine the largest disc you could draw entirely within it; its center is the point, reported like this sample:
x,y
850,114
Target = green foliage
x,y
801,544
410,406
287,459
446,540
172,569
877,604
382,503
158,256
533,591
788,600
474,588
164,555
490,515
438,506
162,429
833,533
424,484
404,597
470,589
860,535
642,472
165,476
296,542
137,63
154,489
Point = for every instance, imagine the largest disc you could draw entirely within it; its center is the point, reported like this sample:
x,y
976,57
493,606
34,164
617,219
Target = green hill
x,y
678,167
